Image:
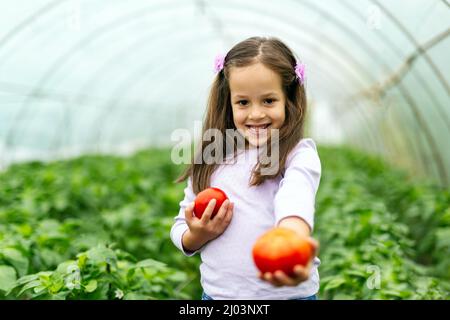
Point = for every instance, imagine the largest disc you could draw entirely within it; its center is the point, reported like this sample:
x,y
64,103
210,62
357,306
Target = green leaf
x,y
334,283
130,273
27,278
91,286
393,293
82,258
68,266
39,289
357,273
28,286
101,254
178,276
7,278
17,260
50,257
56,286
101,293
150,263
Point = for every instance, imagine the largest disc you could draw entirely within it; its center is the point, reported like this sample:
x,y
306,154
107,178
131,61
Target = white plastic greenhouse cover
x,y
81,76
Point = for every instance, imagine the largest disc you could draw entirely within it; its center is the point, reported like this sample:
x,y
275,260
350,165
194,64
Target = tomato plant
x,y
97,227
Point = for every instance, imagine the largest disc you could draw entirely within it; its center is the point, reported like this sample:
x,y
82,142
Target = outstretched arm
x,y
297,224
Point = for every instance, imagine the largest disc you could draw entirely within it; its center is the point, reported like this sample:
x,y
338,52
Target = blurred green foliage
x,y
97,227
382,235
107,218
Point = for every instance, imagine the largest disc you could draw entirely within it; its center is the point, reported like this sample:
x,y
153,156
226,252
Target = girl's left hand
x,y
301,273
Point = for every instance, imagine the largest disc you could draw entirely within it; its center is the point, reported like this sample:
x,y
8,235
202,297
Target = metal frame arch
x,y
72,50
330,56
398,53
428,136
413,41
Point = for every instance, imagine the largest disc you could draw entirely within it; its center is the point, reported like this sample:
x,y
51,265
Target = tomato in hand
x,y
281,249
204,197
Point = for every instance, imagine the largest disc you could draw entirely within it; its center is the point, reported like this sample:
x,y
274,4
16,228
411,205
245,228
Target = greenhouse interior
x,y
91,93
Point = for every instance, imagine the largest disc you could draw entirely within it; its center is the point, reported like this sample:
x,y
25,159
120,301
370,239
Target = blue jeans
x,y
313,297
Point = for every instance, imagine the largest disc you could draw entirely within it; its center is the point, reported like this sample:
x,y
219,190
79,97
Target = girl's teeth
x,y
257,130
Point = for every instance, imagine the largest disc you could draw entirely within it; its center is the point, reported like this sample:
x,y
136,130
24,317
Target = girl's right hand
x,y
206,229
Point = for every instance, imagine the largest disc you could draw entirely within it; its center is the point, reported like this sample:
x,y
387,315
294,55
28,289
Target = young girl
x,y
259,88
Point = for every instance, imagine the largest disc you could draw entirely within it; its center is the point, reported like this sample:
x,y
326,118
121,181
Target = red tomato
x,y
204,197
281,249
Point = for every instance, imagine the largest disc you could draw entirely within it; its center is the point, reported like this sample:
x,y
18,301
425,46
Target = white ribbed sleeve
x,y
298,188
180,226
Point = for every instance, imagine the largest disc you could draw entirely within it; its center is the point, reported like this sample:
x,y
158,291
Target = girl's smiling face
x,y
257,100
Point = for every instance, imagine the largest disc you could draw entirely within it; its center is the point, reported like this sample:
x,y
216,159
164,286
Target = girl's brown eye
x,y
242,102
269,101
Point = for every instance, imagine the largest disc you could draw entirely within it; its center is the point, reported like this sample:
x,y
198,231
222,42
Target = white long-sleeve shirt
x,y
227,268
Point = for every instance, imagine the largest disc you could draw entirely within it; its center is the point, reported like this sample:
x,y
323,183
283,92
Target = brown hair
x,y
275,55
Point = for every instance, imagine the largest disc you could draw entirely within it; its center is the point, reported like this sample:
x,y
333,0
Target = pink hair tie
x,y
300,72
219,63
